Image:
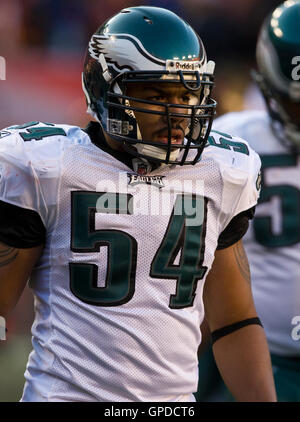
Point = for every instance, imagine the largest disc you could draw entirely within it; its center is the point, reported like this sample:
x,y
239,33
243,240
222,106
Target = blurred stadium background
x,y
43,43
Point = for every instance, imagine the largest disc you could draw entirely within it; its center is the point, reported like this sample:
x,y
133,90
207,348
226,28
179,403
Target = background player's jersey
x,y
273,240
118,289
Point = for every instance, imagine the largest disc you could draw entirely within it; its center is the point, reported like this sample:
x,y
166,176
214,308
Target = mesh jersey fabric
x,y
143,349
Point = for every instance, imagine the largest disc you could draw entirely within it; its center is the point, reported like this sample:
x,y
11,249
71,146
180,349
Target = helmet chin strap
x,y
156,152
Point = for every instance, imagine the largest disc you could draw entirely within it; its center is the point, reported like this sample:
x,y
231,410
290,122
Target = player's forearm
x,y
244,362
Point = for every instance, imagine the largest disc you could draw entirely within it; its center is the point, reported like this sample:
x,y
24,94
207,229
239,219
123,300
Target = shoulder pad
x,y
229,151
36,141
38,131
239,166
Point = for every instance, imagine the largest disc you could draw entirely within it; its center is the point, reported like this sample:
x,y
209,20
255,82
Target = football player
x,y
120,279
273,242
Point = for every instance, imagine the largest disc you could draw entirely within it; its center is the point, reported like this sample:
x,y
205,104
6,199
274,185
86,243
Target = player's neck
x,y
112,143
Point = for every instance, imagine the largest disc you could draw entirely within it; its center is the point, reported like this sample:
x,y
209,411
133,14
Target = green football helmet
x,y
149,45
278,62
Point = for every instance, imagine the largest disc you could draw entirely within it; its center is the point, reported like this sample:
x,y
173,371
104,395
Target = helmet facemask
x,y
184,127
150,47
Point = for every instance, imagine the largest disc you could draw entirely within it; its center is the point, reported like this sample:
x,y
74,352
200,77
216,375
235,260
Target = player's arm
x,y
242,355
22,237
23,215
15,268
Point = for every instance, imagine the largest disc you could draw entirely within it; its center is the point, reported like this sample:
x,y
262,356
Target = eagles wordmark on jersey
x,y
118,294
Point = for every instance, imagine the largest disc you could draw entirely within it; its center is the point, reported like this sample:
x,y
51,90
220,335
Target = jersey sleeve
x,y
19,182
29,175
250,189
236,229
20,227
239,166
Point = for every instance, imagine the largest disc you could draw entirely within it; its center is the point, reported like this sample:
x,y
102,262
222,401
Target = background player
x,y
272,243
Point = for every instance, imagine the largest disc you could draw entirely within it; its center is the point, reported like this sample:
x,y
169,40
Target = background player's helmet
x,y
278,61
149,45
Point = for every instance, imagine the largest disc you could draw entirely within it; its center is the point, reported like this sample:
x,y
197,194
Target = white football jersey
x,y
273,240
118,289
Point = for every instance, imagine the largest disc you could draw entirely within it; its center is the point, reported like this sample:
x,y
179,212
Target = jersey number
x,y
290,207
122,250
38,133
225,141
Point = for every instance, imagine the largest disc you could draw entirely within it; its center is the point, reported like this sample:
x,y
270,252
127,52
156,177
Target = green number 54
x,y
123,249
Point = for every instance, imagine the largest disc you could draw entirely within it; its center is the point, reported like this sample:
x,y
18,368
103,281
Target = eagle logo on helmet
x,y
123,52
